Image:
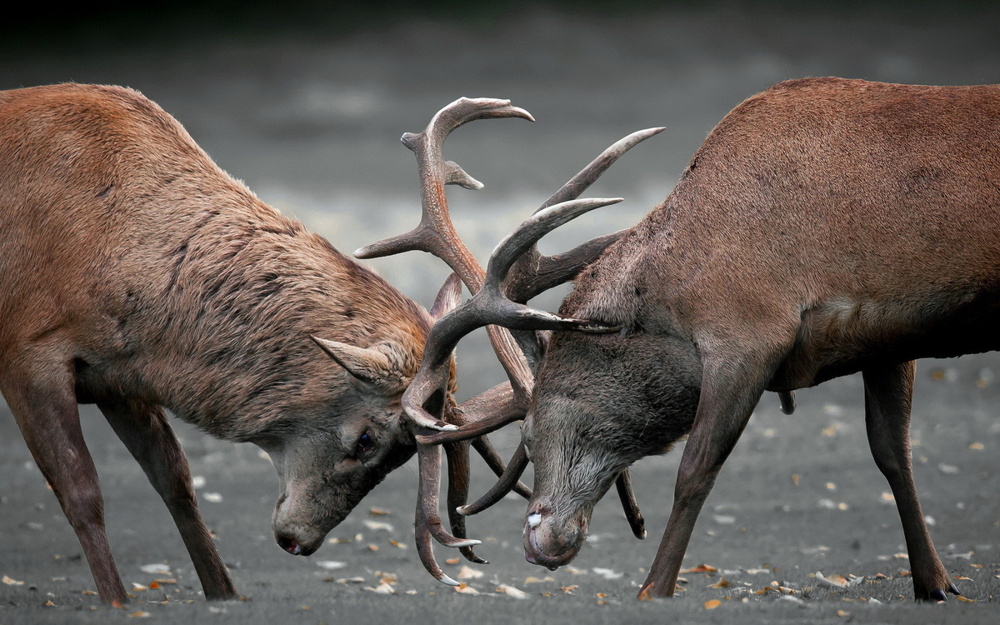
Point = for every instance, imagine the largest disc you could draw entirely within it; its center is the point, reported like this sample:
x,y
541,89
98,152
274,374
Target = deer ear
x,y
368,364
448,298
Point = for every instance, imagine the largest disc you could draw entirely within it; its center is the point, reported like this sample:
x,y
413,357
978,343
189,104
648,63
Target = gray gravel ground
x,y
309,116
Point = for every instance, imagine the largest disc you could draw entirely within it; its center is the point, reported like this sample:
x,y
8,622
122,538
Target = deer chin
x,y
550,542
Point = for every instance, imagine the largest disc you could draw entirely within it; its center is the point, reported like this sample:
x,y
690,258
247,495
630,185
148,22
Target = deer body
x,y
825,227
136,274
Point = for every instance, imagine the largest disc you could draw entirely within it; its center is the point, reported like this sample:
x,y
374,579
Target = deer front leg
x,y
148,436
724,407
888,393
46,412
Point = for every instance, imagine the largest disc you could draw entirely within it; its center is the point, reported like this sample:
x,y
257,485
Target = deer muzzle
x,y
552,540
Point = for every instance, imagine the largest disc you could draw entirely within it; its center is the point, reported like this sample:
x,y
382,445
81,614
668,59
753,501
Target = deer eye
x,y
366,443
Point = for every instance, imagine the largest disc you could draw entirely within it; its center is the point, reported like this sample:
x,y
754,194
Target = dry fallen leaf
x,y
467,572
569,589
965,599
452,561
12,582
398,545
538,580
139,614
701,568
378,512
383,589
512,592
379,525
465,589
607,573
722,583
711,605
139,587
49,604
330,565
836,581
843,613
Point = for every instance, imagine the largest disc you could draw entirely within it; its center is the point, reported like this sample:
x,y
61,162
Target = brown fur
x,y
136,272
825,227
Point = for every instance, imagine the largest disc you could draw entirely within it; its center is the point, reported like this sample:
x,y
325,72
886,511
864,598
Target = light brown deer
x,y
825,227
137,275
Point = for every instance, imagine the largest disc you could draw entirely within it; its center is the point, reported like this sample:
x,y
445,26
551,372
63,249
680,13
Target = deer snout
x,y
549,540
292,532
291,545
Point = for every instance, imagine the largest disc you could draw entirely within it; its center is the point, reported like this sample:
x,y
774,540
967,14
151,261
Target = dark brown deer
x,y
137,275
825,227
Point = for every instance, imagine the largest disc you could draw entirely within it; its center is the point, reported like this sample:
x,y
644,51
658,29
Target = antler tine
x,y
489,307
496,464
534,273
435,233
427,523
501,405
630,505
458,493
586,176
518,463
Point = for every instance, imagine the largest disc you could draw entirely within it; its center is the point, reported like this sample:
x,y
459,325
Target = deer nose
x,y
547,541
289,544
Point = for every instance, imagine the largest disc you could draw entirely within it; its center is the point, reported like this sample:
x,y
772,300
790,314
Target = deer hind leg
x,y
888,393
147,434
45,409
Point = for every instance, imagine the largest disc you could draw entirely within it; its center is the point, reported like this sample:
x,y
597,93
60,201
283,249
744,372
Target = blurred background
x,y
305,101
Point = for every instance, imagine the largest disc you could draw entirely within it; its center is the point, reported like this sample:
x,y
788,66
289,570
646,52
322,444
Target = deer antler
x,y
532,274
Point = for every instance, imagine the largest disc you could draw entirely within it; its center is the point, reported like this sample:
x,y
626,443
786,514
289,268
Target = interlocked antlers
x,y
516,272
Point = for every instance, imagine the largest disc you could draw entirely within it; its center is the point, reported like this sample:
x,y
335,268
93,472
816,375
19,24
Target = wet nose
x,y
289,544
547,542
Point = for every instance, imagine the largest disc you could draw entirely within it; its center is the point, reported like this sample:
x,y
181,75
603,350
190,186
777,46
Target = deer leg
x,y
888,393
147,434
46,412
724,407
